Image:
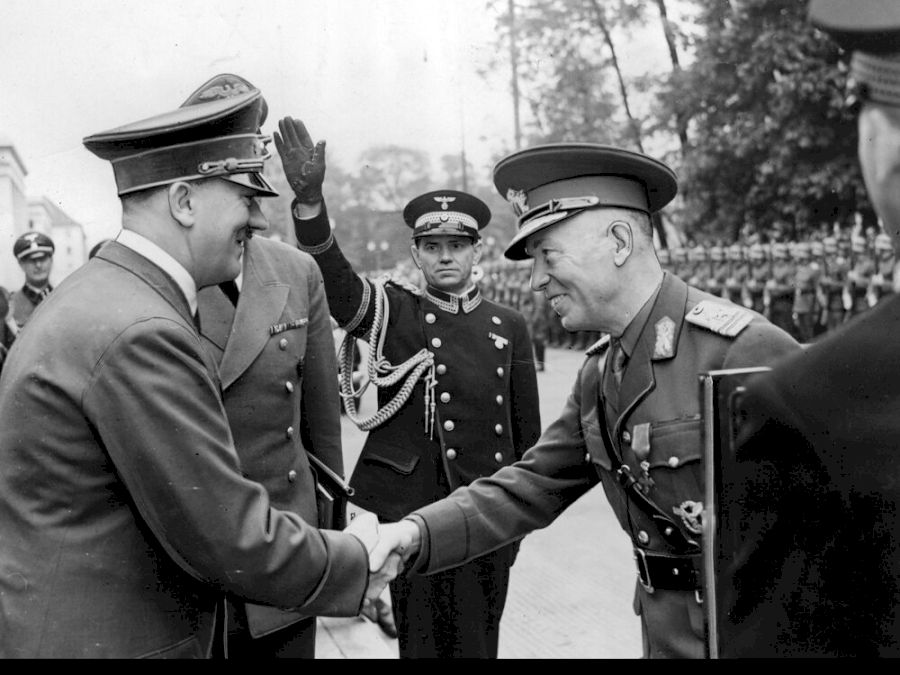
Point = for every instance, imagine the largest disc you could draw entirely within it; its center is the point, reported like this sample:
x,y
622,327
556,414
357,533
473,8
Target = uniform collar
x,y
35,294
633,332
452,303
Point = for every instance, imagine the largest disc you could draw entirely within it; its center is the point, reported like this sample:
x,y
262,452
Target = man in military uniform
x,y
34,251
816,568
632,420
860,276
719,271
269,332
457,392
755,283
882,282
125,514
806,284
680,265
779,289
833,282
738,272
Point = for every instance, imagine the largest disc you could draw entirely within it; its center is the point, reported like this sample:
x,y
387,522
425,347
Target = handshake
x,y
389,545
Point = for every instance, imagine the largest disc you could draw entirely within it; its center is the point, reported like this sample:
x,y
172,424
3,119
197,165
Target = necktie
x,y
230,289
612,378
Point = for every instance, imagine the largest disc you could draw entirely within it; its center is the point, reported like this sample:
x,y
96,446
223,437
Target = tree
x,y
773,142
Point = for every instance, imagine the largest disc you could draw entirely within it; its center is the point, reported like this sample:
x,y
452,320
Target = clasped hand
x,y
389,545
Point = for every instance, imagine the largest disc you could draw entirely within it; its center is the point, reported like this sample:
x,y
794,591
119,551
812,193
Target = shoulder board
x,y
728,320
400,282
598,347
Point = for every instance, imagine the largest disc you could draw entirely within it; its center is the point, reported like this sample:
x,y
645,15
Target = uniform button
x,y
500,371
587,457
435,342
289,432
449,425
441,369
675,572
499,456
626,437
451,454
292,475
668,531
445,397
673,461
498,429
643,537
289,386
430,318
496,320
282,344
499,399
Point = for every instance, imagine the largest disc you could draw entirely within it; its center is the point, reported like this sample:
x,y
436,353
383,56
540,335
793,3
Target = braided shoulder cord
x,y
381,373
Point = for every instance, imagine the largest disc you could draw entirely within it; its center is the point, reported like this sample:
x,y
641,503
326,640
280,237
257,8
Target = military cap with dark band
x,y
33,245
215,133
447,212
548,183
871,30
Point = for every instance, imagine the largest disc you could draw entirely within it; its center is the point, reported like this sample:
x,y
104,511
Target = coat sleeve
x,y
320,422
516,500
182,474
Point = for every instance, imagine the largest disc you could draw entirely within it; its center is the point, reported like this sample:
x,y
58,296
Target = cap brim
x,y
515,250
255,181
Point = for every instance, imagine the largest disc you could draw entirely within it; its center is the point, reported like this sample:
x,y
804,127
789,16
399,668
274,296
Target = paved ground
x,y
571,587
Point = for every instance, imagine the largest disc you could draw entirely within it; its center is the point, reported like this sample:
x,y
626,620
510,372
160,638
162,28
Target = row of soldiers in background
x,y
805,287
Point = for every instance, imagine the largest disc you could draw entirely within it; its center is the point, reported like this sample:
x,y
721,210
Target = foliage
x,y
772,143
757,115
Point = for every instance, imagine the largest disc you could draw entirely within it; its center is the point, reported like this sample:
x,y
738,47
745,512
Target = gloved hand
x,y
304,165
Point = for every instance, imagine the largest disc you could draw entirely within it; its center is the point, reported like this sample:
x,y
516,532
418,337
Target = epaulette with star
x,y
727,320
598,346
403,283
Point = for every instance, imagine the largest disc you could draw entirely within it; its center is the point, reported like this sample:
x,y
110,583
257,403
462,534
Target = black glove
x,y
304,165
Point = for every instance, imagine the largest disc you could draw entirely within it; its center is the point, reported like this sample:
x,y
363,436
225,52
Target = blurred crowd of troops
x,y
806,287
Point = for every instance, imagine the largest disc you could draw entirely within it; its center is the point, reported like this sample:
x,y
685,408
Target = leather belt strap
x,y
667,572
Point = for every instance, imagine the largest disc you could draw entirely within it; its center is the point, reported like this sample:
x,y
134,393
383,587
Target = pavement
x,y
571,589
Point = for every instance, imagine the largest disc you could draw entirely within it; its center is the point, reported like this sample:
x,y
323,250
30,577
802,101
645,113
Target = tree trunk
x,y
680,121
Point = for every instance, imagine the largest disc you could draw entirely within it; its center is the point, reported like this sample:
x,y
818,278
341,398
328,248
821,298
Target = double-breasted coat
x,y
485,415
124,514
277,366
657,434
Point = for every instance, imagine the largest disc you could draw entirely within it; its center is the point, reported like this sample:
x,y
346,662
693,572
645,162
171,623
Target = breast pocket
x,y
674,460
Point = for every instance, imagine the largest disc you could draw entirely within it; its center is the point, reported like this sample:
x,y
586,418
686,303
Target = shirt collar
x,y
143,246
632,333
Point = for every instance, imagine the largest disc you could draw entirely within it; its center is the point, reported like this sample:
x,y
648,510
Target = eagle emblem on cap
x,y
518,199
444,201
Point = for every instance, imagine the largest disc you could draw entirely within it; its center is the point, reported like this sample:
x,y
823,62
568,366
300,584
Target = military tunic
x,y
485,416
657,434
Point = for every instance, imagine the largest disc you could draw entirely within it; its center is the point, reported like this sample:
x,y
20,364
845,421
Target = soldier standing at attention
x,y
806,283
882,282
755,284
457,392
719,272
34,251
833,282
779,289
860,275
816,569
632,420
738,271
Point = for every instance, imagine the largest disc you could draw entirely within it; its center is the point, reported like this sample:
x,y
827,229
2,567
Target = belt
x,y
668,572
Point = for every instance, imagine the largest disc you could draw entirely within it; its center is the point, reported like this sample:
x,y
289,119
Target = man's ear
x,y
182,202
623,236
478,245
414,251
